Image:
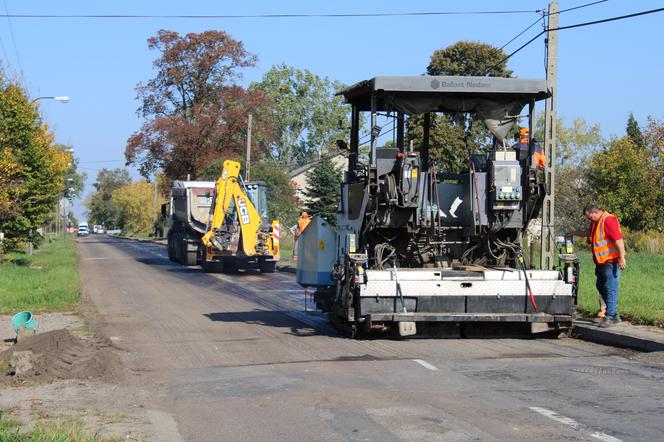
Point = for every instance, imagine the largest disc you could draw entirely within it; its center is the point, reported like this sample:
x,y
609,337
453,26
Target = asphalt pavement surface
x,y
237,357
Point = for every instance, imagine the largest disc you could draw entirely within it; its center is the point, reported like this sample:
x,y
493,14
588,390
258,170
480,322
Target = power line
x,y
522,32
606,20
101,161
4,52
544,14
287,15
11,32
582,6
579,25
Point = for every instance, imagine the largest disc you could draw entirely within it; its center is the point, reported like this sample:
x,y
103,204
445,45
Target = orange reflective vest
x,y
302,224
604,249
538,156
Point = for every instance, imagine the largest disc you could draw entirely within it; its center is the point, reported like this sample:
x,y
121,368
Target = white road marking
x,y
605,437
573,424
426,365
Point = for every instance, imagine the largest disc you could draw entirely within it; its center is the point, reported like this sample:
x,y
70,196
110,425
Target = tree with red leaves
x,y
194,110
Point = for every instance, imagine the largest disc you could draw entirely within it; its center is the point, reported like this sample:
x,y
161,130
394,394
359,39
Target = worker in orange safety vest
x,y
537,153
609,254
302,224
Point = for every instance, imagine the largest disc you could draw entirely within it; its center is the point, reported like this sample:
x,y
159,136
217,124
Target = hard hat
x,y
304,214
523,130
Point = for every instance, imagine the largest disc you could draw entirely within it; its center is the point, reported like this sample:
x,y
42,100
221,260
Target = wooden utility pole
x,y
548,246
248,168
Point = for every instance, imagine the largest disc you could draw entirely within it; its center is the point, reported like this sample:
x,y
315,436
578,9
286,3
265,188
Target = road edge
x,y
588,331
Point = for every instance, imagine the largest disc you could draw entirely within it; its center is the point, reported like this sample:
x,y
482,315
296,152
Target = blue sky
x,y
605,71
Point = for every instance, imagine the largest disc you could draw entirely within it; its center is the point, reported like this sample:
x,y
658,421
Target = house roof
x,y
302,169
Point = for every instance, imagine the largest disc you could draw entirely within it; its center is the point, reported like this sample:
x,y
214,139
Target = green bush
x,y
650,241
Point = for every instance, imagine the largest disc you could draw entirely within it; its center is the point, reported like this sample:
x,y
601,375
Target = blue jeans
x,y
608,277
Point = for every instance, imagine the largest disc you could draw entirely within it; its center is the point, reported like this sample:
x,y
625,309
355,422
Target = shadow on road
x,y
154,261
277,319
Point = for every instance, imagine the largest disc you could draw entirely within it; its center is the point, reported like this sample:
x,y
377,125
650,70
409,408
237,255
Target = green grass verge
x,y
69,430
641,291
286,247
47,280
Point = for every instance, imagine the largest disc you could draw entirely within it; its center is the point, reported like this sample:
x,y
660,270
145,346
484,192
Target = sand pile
x,y
56,355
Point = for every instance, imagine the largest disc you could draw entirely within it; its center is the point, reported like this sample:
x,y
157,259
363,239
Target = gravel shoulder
x,y
80,376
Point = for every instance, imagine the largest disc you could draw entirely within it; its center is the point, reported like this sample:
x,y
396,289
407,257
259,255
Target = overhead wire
x,y
606,20
545,14
286,15
524,31
4,52
102,161
581,6
11,32
577,25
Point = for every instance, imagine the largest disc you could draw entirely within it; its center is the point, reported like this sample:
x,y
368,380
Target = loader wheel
x,y
267,266
171,252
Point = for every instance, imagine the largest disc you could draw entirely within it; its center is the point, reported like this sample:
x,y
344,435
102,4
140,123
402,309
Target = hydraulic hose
x,y
529,291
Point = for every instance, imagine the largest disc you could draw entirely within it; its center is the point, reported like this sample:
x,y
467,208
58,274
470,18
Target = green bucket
x,y
24,319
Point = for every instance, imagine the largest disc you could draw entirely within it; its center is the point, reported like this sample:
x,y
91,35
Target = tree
x,y
625,182
32,166
193,109
469,58
634,131
654,142
448,149
135,202
323,190
575,145
8,183
74,182
281,201
452,137
305,114
102,207
573,192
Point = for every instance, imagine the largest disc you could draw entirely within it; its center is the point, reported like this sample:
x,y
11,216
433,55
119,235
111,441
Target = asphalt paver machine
x,y
414,245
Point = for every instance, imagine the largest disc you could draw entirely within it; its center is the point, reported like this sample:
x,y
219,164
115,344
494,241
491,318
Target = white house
x,y
299,176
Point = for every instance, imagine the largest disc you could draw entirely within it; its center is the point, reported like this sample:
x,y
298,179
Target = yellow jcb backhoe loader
x,y
237,235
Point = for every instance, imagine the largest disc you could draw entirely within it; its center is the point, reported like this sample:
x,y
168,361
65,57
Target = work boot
x,y
609,321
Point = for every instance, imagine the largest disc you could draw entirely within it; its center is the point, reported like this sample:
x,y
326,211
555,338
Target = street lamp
x,y
61,99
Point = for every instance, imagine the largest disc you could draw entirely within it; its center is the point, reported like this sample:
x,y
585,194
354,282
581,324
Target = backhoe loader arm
x,y
229,190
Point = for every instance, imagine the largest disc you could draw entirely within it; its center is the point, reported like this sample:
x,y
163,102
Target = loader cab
x,y
257,192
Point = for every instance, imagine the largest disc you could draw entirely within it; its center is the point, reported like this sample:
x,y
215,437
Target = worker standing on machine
x,y
537,158
302,224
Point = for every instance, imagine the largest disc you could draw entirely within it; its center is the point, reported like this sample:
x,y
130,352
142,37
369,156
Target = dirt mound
x,y
57,355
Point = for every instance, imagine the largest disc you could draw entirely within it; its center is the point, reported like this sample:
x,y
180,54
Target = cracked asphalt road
x,y
237,358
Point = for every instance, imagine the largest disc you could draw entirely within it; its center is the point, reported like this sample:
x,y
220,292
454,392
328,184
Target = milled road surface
x,y
237,358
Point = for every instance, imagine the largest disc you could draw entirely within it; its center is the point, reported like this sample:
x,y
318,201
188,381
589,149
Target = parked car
x,y
97,229
83,230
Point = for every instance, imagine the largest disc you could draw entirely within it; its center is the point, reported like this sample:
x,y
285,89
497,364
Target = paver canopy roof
x,y
496,100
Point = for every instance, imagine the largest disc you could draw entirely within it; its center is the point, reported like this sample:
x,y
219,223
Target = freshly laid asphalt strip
x,y
621,335
237,358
